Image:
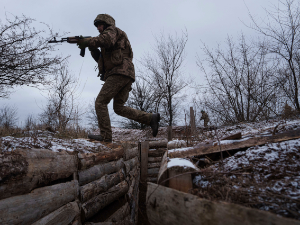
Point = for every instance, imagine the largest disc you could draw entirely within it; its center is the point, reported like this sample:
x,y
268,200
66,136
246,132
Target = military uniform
x,y
205,118
117,70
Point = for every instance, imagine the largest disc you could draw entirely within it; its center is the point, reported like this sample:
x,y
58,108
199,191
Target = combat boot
x,y
98,138
154,124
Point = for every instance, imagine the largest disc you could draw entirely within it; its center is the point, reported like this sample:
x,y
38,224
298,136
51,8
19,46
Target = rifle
x,y
71,40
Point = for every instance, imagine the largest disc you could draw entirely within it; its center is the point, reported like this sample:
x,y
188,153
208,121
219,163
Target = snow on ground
x,y
45,140
264,177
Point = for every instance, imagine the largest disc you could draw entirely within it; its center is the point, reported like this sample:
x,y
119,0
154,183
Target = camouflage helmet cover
x,y
109,20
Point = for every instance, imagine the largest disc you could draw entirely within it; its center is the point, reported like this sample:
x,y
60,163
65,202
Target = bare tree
x,y
8,116
282,31
164,71
61,107
25,55
240,82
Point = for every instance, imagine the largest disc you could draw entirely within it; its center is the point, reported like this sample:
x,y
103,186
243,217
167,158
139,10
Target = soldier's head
x,y
202,111
103,21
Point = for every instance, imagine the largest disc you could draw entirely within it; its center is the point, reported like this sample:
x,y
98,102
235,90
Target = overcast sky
x,y
206,21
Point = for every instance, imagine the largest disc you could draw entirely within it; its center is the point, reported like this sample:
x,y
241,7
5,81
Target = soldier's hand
x,y
83,43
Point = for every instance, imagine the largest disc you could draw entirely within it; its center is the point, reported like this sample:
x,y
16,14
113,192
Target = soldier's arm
x,y
95,52
105,40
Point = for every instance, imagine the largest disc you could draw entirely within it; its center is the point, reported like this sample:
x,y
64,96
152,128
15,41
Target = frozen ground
x,y
264,177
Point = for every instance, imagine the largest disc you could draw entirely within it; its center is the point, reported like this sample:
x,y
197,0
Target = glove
x,y
83,43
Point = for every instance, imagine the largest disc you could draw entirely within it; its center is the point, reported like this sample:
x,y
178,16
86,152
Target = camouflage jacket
x,y
116,52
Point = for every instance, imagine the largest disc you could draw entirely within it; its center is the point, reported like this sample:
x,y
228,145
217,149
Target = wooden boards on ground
x,y
171,207
204,149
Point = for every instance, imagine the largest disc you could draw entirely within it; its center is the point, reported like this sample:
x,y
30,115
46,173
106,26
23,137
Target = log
x,y
92,206
130,164
169,206
87,160
154,165
27,209
159,144
157,152
144,160
98,171
180,182
176,144
120,214
62,216
132,185
101,185
23,170
131,153
233,136
154,159
153,171
203,149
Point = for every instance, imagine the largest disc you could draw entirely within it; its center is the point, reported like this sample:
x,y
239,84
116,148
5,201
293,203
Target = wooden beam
x,y
23,170
192,121
27,209
169,206
87,160
144,160
169,133
101,185
159,144
98,171
203,149
92,206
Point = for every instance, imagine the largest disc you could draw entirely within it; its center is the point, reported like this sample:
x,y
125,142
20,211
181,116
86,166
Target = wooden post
x,y
144,160
169,133
192,121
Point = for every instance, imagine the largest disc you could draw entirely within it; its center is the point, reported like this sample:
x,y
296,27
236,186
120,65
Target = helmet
x,y
104,18
202,111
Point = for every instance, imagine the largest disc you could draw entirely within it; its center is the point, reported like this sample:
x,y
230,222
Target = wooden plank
x,y
101,185
233,136
171,207
62,216
23,170
203,149
162,175
98,171
27,209
181,182
144,160
92,206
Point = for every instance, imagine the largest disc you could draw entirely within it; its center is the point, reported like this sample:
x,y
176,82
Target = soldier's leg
x,y
125,111
112,86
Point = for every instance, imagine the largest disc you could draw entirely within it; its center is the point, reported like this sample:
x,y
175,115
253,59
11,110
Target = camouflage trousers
x,y
117,87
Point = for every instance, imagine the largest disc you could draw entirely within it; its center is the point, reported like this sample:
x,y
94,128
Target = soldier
x,y
117,70
205,118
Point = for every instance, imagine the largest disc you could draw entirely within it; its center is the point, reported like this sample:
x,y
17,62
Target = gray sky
x,y
206,21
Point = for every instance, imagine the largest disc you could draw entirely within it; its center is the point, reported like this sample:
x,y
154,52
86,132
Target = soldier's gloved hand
x,y
83,43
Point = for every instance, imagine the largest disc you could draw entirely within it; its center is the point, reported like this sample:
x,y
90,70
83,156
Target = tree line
x,y
246,79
